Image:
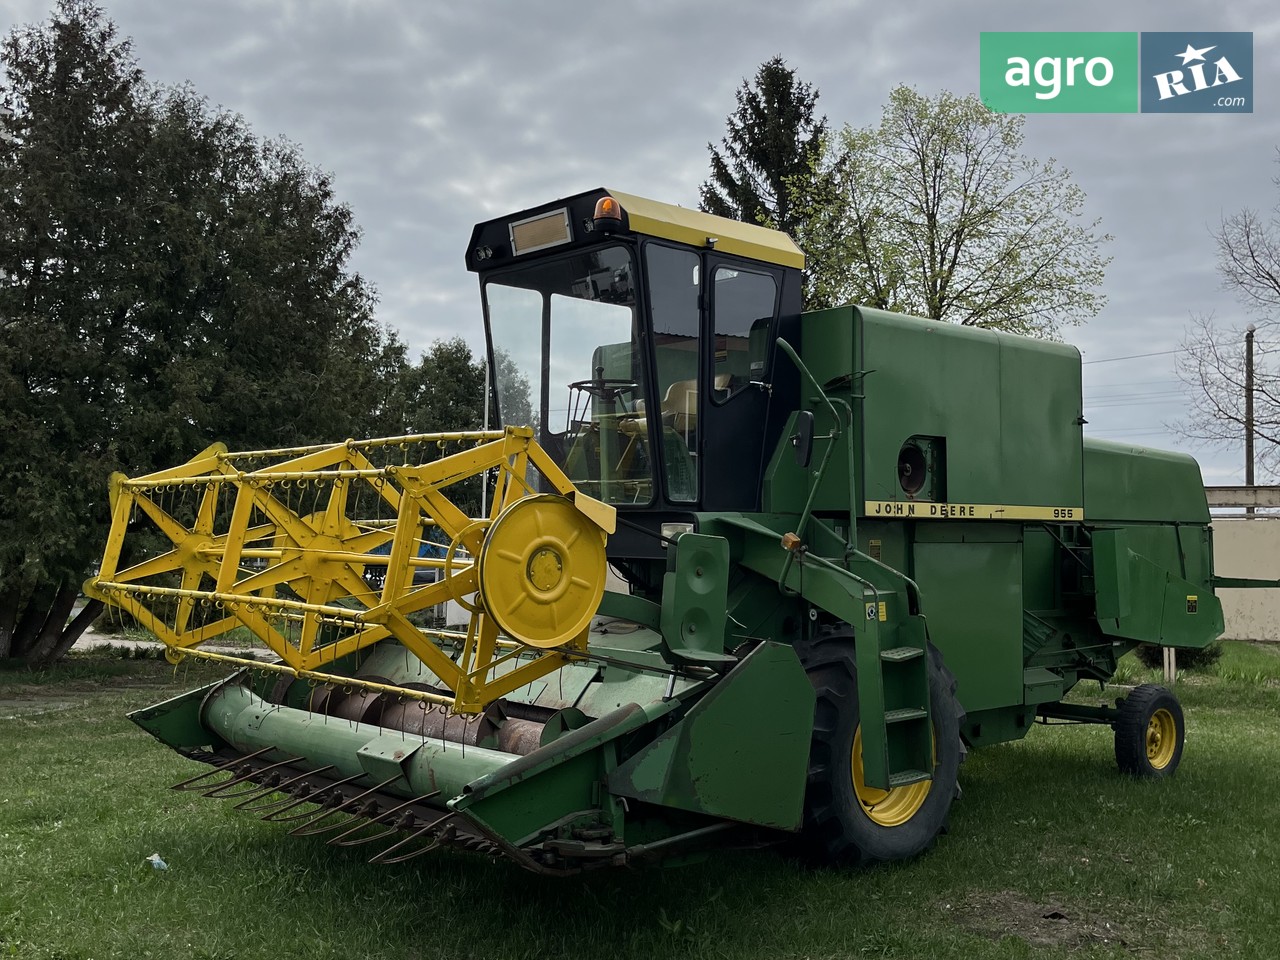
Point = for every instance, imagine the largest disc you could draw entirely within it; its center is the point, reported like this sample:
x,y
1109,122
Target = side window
x,y
674,294
745,303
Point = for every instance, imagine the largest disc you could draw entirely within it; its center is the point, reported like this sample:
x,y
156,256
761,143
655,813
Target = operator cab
x,y
637,339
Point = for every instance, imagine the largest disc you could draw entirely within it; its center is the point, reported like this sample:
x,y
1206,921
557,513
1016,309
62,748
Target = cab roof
x,y
493,242
655,219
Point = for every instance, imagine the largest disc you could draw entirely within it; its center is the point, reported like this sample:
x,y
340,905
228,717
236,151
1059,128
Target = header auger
x,y
849,545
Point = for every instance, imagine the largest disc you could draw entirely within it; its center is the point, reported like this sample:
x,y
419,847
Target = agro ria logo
x,y
1202,72
1194,74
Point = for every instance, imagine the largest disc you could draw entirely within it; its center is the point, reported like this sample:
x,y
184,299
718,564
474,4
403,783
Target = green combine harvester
x,y
846,545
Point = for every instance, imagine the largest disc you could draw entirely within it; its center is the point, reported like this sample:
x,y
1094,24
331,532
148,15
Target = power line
x,y
1140,431
1135,356
1130,383
1123,398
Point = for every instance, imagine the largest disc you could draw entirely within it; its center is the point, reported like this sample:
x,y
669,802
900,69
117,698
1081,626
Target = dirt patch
x,y
1047,924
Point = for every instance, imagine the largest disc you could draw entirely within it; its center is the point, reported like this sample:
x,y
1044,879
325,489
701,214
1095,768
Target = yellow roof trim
x,y
654,219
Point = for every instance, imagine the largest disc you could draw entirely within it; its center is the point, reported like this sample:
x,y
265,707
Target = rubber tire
x,y
836,829
1136,711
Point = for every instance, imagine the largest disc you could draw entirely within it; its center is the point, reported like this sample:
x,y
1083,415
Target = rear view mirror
x,y
802,439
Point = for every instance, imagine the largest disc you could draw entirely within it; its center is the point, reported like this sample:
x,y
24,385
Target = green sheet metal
x,y
1139,599
741,752
1128,482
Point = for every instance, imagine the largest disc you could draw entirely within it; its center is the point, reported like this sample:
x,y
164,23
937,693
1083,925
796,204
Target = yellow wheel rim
x,y
888,808
1162,739
542,571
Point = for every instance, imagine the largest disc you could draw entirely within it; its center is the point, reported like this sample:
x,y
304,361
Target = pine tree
x,y
771,150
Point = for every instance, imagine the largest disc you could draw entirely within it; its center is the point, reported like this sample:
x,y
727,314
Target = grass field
x,y
1051,854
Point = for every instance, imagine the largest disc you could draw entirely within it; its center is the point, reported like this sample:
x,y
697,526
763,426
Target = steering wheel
x,y
604,389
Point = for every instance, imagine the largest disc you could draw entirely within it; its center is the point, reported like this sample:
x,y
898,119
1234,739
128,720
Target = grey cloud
x,y
432,116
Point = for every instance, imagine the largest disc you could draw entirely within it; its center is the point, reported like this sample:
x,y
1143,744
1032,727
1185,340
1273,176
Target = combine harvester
x,y
853,543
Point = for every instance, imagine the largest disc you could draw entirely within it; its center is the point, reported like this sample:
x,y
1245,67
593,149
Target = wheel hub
x,y
887,808
542,571
1161,738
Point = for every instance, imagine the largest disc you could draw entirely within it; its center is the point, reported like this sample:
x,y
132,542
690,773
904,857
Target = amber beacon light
x,y
608,215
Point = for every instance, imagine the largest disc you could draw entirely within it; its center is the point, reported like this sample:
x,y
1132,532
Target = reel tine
x,y
197,782
305,829
274,815
217,792
340,841
384,856
248,804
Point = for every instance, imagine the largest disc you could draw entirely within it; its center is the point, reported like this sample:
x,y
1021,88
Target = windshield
x,y
567,362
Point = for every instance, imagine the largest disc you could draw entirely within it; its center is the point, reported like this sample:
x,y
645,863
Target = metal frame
x,y
321,557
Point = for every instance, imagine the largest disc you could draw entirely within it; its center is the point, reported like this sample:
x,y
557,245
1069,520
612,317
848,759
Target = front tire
x,y
1150,733
847,822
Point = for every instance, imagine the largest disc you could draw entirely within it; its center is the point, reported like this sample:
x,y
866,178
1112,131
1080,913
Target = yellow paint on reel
x,y
542,571
232,565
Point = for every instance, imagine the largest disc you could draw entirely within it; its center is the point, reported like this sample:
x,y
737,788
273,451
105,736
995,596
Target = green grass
x,y
1175,869
1251,663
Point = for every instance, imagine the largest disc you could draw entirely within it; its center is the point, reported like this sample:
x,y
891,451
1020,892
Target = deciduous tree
x,y
1213,360
936,211
166,280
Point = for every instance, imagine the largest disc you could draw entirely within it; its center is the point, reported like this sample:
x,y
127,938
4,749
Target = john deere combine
x,y
848,544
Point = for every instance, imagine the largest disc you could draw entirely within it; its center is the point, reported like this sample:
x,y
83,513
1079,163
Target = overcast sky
x,y
433,116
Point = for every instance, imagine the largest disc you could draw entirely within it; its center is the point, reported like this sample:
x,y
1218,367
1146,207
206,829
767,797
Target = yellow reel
x,y
542,571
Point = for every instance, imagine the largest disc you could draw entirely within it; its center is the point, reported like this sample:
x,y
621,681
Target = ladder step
x,y
907,713
901,654
904,777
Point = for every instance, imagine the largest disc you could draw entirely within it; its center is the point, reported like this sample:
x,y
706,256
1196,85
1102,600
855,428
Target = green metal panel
x,y
786,484
176,722
1006,407
563,777
1041,685
826,340
1140,599
730,756
1041,569
1041,444
871,599
695,598
984,727
1128,482
885,541
1192,615
1111,577
973,597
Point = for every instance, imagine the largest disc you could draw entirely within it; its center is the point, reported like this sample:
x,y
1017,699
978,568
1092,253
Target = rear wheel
x,y
847,821
1150,732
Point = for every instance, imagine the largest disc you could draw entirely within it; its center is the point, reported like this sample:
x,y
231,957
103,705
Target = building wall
x,y
1249,548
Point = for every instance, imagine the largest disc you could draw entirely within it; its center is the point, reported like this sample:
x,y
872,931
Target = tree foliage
x,y
770,150
1212,362
937,212
166,280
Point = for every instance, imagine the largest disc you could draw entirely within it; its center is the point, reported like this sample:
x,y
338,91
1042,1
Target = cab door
x,y
739,328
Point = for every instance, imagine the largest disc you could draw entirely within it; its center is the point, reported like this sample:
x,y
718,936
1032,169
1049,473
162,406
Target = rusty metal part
x,y
520,736
520,733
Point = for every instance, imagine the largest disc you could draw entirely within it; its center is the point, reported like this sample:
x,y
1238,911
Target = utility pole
x,y
1248,410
